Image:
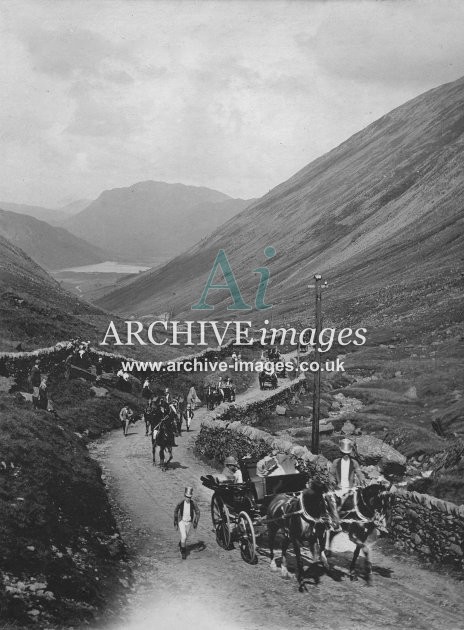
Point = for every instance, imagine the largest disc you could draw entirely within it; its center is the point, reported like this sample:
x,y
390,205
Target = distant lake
x,y
108,267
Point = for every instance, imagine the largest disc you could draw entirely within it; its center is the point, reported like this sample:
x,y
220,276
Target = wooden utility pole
x,y
317,374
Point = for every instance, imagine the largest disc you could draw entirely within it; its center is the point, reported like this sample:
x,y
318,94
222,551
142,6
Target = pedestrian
x,y
99,369
35,380
146,391
188,415
43,394
125,415
167,396
186,514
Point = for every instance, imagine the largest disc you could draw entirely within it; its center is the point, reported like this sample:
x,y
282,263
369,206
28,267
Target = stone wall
x,y
429,526
18,364
418,522
262,404
222,433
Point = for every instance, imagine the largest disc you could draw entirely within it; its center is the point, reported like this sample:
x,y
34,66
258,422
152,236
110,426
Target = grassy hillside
x,y
36,312
384,209
51,247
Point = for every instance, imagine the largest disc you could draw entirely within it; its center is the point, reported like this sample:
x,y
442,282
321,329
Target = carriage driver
x,y
232,472
186,514
345,470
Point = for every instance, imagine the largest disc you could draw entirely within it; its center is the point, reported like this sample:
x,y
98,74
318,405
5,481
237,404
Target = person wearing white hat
x,y
345,470
186,514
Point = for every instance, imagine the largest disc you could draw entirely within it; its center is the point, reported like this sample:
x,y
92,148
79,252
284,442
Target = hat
x,y
188,492
346,446
230,460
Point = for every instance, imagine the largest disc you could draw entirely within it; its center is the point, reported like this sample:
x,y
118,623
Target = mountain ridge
x,y
398,178
146,217
50,246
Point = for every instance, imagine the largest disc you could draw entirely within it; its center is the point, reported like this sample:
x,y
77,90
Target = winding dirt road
x,y
215,589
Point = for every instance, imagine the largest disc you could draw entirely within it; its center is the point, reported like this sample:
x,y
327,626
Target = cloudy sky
x,y
233,95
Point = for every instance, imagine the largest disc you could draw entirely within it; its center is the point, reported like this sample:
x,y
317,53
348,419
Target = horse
x,y
363,517
162,436
304,517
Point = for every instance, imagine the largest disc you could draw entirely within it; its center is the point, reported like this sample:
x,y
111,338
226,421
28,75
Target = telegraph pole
x,y
317,374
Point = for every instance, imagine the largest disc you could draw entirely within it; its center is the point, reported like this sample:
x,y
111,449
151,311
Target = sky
x,y
232,95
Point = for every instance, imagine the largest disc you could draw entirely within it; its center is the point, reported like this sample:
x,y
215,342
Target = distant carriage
x,y
267,379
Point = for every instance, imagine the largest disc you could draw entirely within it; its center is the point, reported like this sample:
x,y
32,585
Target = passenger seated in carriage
x,y
231,472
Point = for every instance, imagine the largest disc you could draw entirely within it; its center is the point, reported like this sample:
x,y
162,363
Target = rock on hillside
x,y
371,450
380,216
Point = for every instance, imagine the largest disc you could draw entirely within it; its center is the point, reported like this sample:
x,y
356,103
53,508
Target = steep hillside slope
x,y
52,247
152,219
380,215
34,310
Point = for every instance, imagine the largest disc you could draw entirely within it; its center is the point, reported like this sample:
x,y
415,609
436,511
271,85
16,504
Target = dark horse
x,y
163,437
160,423
212,396
304,517
363,517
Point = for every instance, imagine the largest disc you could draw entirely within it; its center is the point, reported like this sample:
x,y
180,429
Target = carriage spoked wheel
x,y
221,521
247,538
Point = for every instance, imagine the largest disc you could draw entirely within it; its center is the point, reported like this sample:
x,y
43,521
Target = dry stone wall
x,y
18,364
429,526
418,522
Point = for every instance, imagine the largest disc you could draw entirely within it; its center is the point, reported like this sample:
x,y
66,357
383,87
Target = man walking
x,y
186,514
125,415
35,380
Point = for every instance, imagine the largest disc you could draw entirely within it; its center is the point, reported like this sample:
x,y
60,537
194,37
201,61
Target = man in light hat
x,y
345,471
186,514
232,472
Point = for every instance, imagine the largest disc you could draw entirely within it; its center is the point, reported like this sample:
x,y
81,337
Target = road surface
x,y
216,589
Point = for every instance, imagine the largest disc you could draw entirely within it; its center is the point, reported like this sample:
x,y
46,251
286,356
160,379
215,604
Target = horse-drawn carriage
x,y
237,510
278,362
302,511
267,379
229,393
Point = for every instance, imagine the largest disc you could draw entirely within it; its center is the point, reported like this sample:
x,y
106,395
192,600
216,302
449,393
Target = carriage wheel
x,y
247,538
221,522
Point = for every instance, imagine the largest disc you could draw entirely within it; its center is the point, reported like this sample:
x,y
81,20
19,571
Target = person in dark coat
x,y
186,514
43,394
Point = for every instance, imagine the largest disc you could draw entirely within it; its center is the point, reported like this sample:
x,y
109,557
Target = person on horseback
x,y
186,514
